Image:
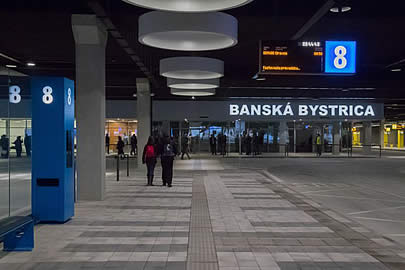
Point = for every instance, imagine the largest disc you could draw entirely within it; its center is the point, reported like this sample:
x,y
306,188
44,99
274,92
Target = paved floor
x,y
218,215
370,191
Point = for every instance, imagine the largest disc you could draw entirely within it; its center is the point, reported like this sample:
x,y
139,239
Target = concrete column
x,y
367,137
382,132
336,138
165,128
144,114
283,134
90,38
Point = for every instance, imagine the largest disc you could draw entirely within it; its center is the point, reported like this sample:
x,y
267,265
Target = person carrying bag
x,y
149,158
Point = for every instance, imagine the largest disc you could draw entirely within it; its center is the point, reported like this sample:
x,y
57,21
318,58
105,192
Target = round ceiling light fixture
x,y
192,93
192,68
192,84
189,5
337,9
188,31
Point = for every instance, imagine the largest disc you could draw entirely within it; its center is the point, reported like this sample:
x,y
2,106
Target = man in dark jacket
x,y
134,144
167,151
213,144
18,146
4,143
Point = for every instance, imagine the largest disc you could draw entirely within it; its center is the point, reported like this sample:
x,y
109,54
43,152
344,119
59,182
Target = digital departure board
x,y
291,57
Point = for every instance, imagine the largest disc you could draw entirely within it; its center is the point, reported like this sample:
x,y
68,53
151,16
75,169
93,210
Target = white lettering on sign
x,y
47,98
14,92
340,61
302,110
311,44
69,96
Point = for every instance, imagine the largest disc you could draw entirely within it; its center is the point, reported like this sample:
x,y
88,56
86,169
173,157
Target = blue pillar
x,y
52,149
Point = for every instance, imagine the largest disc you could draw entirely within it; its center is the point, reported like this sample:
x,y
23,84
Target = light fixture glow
x,y
396,70
31,64
192,84
11,66
189,5
344,9
188,32
196,68
192,93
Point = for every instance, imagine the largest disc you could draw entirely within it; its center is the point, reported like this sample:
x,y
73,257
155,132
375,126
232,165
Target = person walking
x,y
107,143
213,144
120,147
134,144
185,147
149,158
4,146
248,143
18,146
27,144
223,144
255,144
318,145
167,153
219,138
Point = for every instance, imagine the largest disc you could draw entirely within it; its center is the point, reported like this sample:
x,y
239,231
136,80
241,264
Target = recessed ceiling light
x,y
260,79
192,92
396,70
152,94
344,9
192,84
191,68
189,6
134,95
11,66
31,64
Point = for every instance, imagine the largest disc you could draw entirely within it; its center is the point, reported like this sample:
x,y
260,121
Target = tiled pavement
x,y
212,218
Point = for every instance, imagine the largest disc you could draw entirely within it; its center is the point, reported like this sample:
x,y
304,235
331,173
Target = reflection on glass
x,y
15,145
4,149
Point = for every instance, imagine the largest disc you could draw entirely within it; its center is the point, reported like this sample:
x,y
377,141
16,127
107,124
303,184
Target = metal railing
x,y
328,148
118,158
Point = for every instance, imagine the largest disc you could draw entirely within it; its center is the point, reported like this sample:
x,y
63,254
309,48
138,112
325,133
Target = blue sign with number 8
x,y
340,57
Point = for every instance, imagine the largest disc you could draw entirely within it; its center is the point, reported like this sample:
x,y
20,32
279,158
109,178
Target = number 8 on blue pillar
x,y
340,57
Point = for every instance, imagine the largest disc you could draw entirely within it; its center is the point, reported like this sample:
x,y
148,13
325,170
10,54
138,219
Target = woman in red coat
x,y
149,158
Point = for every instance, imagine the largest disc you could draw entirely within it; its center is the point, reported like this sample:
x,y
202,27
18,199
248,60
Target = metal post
x,y
128,165
118,168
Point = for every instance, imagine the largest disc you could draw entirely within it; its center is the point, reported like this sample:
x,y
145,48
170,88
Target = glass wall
x,y
15,144
394,135
240,135
257,137
120,127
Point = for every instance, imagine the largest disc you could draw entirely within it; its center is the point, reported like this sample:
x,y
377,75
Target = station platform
x,y
219,215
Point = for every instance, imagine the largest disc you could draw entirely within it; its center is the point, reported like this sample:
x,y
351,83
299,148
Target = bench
x,y
17,233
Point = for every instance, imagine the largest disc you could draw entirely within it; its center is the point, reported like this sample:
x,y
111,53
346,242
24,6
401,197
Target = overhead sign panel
x,y
340,57
291,57
307,57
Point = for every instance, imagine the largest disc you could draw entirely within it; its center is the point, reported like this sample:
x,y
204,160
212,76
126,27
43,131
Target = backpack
x,y
168,150
150,151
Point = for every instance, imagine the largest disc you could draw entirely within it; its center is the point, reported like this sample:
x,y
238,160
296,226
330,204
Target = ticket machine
x,y
52,149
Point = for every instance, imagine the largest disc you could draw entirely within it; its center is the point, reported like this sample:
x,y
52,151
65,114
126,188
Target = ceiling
x,y
40,30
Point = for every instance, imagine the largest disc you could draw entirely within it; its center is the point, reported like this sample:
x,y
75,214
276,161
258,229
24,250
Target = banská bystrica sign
x,y
303,110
